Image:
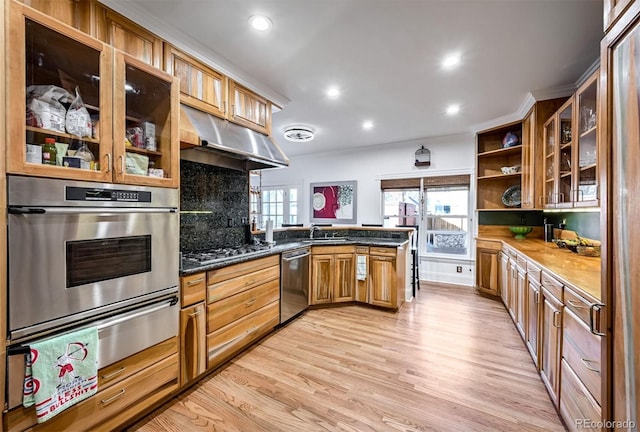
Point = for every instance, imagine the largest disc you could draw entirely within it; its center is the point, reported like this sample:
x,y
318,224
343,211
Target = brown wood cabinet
x,y
333,277
100,76
200,86
488,267
249,109
613,10
125,389
521,302
387,276
128,37
504,278
533,318
551,343
193,342
74,13
243,304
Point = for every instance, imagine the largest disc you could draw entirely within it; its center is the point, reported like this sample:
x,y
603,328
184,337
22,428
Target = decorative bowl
x,y
510,169
520,231
512,196
510,140
591,251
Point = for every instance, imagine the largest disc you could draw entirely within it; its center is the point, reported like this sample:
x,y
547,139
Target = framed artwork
x,y
333,202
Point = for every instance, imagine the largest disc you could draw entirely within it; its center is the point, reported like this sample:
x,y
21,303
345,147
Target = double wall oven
x,y
84,254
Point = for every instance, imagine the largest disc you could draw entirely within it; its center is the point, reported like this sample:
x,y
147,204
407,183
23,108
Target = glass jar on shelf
x,y
87,160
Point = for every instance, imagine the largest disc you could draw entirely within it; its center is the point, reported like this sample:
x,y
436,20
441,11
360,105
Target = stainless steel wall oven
x,y
83,253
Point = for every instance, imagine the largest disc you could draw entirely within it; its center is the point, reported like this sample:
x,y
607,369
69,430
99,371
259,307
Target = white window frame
x,y
425,233
286,205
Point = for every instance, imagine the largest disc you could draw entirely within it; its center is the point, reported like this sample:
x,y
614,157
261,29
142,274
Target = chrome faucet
x,y
313,228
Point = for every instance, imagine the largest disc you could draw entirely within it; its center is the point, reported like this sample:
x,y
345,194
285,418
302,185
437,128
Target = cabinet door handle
x,y
576,305
108,163
556,315
536,297
112,374
250,302
195,282
196,313
196,331
541,200
121,164
592,312
114,397
233,110
224,107
251,282
586,363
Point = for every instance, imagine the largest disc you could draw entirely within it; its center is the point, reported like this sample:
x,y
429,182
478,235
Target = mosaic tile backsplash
x,y
219,200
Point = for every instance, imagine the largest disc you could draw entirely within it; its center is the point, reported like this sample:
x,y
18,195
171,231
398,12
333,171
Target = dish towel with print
x,y
60,372
361,267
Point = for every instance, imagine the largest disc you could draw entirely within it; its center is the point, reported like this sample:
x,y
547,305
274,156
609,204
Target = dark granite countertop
x,y
292,244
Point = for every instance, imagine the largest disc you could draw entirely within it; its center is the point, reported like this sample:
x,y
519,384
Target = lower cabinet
x,y
333,274
533,321
243,304
126,388
488,267
387,276
503,278
193,342
551,343
521,299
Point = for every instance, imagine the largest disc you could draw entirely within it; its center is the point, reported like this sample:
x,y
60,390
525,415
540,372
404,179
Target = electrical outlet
x,y
459,269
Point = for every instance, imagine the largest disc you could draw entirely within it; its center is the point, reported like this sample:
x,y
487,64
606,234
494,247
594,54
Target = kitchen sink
x,y
327,240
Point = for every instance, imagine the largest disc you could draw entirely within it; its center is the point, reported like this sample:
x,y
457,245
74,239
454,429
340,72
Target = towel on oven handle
x,y
61,371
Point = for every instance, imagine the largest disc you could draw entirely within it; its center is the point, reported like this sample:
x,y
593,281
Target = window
x,y
280,205
447,220
401,207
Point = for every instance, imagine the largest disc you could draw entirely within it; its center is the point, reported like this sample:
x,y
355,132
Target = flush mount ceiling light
x,y
260,22
367,124
299,133
453,109
451,61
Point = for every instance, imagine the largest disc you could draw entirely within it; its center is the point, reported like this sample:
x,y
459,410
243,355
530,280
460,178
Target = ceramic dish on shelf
x,y
510,169
512,196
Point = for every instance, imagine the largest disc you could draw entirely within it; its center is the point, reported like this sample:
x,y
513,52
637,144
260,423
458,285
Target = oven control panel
x,y
98,194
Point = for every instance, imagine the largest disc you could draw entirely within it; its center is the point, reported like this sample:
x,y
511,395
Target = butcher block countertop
x,y
580,273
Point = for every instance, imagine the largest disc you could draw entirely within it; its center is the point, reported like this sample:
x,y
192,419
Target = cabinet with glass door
x,y
71,115
558,149
585,157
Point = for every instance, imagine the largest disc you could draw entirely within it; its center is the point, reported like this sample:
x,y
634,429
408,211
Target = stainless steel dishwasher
x,y
294,288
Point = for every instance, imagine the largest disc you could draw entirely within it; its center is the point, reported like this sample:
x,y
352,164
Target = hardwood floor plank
x,y
448,361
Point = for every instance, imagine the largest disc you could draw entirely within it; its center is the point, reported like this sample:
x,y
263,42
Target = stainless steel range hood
x,y
218,142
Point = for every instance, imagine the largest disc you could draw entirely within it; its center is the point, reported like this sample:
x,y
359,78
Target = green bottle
x,y
49,152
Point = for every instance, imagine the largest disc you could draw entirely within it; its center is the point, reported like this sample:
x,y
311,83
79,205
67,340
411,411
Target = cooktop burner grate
x,y
213,255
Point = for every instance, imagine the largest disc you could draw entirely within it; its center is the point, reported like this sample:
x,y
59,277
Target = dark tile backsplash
x,y
221,194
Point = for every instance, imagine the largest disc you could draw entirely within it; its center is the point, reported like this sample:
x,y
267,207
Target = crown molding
x,y
592,69
527,102
193,47
555,92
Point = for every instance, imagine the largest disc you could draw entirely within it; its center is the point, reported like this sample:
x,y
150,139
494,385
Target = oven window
x,y
90,261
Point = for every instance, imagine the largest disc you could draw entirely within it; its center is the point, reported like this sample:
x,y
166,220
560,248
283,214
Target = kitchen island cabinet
x,y
333,277
488,267
386,281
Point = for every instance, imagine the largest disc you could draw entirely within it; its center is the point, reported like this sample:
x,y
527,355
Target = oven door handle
x,y
91,210
137,313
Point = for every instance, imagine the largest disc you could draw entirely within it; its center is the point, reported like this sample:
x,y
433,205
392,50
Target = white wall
x,y
449,155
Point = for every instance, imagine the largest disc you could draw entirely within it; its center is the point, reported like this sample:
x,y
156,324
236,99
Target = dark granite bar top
x,y
292,244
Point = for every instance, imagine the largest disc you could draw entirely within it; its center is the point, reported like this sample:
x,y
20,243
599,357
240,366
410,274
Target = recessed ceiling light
x,y
453,109
260,22
333,92
366,125
451,61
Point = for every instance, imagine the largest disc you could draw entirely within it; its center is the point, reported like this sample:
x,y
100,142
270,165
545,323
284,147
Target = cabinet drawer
x,y
521,262
238,284
229,340
577,304
108,408
552,285
578,409
332,250
362,249
225,311
116,372
193,289
534,272
581,350
385,251
509,252
235,270
486,244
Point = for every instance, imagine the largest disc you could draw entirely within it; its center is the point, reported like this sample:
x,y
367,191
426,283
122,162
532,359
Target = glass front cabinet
x,y
585,158
81,110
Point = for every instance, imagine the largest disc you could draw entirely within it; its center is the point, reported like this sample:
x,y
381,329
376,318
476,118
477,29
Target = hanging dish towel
x,y
61,372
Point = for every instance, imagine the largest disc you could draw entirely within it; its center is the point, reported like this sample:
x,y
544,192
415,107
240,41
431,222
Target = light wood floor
x,y
449,361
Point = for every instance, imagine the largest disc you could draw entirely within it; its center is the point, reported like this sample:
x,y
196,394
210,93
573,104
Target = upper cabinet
x,y
74,13
105,127
570,151
499,163
129,37
200,86
249,109
613,9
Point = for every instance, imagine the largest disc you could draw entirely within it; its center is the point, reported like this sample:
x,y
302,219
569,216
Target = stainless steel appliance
x,y
211,256
119,336
80,250
294,284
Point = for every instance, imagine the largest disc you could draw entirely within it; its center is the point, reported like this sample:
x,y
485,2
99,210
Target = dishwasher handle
x,y
288,258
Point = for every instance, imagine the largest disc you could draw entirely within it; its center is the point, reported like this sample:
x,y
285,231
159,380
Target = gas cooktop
x,y
214,255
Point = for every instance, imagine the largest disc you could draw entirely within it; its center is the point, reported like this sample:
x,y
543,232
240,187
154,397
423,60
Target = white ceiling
x,y
385,57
